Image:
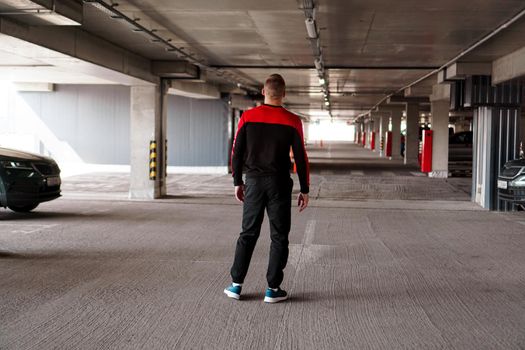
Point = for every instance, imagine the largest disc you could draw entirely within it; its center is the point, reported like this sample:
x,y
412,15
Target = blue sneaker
x,y
233,291
275,296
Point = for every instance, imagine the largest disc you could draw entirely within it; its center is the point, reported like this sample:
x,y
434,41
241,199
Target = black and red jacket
x,y
262,145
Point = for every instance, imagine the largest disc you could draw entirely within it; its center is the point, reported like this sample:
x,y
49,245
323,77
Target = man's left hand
x,y
302,201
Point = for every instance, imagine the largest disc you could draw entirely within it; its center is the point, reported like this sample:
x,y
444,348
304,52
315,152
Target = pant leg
x,y
252,218
279,215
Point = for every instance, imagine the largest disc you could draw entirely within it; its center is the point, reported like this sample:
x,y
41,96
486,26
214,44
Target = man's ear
x,y
263,92
284,94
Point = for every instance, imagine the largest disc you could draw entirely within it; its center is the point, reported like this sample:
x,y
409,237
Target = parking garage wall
x,y
87,123
197,132
91,124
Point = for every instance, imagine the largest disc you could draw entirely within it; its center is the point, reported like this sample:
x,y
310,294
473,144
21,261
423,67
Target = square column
x,y
377,122
396,115
383,128
148,123
440,138
368,129
412,136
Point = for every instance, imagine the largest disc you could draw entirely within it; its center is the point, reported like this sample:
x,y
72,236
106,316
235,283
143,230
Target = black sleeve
x,y
301,160
239,147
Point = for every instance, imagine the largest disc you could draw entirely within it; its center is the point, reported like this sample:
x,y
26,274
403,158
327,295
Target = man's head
x,y
274,88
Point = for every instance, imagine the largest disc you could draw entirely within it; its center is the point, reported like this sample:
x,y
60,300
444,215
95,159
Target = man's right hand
x,y
239,193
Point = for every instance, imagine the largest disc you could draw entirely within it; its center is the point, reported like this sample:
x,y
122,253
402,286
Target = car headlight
x,y
519,182
13,164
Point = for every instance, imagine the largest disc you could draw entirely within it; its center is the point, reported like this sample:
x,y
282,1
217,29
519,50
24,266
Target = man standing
x,y
262,146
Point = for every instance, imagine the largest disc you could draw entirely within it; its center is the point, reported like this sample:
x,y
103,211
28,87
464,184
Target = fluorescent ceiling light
x,y
311,28
318,64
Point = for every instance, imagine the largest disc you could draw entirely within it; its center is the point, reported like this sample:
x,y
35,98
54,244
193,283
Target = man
x,y
262,146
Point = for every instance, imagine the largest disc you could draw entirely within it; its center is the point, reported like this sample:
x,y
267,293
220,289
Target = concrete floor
x,y
384,259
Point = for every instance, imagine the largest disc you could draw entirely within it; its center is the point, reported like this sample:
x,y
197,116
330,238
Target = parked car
x,y
511,182
460,153
27,179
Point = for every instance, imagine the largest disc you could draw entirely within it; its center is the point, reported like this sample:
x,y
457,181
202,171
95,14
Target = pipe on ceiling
x,y
478,43
137,27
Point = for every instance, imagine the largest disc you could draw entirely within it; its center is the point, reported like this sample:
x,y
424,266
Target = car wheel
x,y
23,208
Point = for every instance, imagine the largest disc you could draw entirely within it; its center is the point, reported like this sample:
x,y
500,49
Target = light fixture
x,y
311,28
327,103
318,64
321,81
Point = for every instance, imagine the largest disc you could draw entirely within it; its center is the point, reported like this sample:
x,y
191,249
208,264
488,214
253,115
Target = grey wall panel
x,y
197,132
92,119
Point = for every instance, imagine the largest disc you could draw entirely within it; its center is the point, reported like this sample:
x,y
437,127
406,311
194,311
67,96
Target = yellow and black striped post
x,y
153,160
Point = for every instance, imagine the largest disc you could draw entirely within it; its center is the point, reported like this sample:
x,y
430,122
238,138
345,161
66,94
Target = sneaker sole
x,y
274,300
232,295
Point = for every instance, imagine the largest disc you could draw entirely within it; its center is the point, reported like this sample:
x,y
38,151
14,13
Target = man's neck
x,y
273,102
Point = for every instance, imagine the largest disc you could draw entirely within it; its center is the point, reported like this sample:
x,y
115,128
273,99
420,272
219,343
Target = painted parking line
x,y
415,173
357,173
309,232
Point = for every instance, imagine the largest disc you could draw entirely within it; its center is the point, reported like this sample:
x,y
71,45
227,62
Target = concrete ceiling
x,y
21,61
371,48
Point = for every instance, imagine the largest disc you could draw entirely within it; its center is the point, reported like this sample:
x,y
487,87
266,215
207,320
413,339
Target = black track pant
x,y
273,194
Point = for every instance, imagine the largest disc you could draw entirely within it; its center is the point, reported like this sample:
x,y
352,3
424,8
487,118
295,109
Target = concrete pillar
x,y
412,136
377,122
361,130
396,115
368,128
148,123
440,118
383,128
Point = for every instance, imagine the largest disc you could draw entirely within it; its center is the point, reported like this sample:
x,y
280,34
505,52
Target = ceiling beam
x,y
509,67
326,67
418,91
397,99
460,70
175,69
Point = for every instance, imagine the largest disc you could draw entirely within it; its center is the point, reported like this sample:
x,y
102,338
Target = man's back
x,y
263,142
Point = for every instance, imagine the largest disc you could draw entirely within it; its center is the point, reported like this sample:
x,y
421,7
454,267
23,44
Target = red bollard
x,y
388,151
373,140
426,153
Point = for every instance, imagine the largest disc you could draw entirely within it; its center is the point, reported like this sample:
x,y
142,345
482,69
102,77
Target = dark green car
x,y
27,179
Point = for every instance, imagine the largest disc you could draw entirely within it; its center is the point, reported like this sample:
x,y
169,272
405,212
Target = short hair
x,y
274,86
